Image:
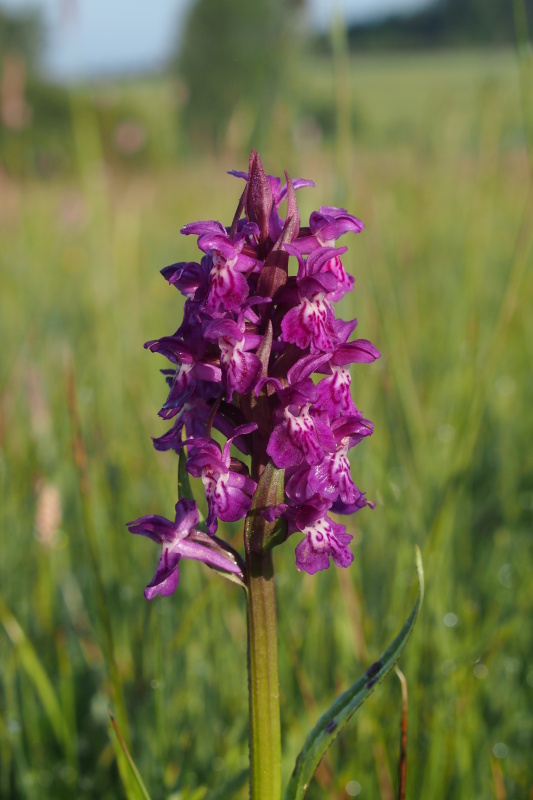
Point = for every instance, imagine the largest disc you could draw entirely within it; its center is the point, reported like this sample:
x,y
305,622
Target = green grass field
x,y
430,151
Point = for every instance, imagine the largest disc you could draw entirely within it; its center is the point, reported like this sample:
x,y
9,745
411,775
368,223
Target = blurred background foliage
x,y
444,23
246,46
22,34
430,149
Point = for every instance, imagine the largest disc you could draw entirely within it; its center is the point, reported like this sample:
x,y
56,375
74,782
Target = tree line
x,y
445,23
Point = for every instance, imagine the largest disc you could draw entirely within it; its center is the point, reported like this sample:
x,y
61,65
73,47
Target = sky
x,y
97,37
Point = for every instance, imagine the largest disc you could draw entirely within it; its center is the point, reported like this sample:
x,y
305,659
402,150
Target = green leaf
x,y
184,483
260,535
33,666
331,723
131,762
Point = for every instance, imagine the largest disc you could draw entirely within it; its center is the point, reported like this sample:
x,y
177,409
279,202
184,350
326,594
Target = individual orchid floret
x,y
331,478
241,368
299,433
189,277
180,539
325,227
333,392
324,538
227,288
228,488
191,368
345,281
310,323
192,416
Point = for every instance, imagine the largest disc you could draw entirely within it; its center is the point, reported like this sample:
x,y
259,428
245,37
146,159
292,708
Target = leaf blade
x,y
331,723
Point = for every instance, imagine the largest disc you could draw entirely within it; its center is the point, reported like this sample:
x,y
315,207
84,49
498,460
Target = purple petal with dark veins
x,y
307,365
203,227
166,578
339,507
156,528
187,276
330,223
360,351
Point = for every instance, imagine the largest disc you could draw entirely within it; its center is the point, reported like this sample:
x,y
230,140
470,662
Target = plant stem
x,y
265,736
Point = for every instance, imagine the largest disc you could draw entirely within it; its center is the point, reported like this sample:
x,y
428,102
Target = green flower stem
x,y
265,735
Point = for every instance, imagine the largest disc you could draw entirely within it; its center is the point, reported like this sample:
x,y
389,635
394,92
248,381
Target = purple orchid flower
x,y
228,491
189,277
240,367
310,323
324,539
299,433
261,357
228,288
180,539
191,368
325,227
333,393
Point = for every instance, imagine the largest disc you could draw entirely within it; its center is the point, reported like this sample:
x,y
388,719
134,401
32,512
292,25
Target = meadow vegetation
x,y
431,152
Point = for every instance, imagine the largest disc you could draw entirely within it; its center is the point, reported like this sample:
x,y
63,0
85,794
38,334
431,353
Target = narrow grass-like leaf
x,y
331,723
103,606
131,762
33,667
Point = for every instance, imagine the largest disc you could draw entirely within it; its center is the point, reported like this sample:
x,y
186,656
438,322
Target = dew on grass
x,y
353,788
505,576
450,620
446,432
13,726
127,593
481,671
500,750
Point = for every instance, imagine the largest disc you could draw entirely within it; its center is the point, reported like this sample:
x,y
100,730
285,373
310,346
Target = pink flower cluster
x,y
261,358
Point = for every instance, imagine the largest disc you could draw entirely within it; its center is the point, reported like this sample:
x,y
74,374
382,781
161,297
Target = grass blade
x,y
37,674
131,762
